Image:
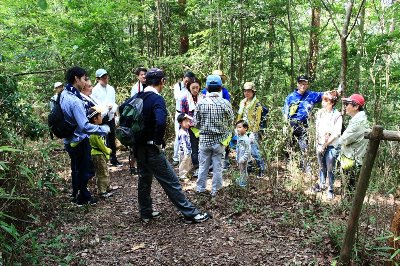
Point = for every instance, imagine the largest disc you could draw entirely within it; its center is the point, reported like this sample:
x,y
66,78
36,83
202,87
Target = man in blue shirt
x,y
78,145
297,108
150,157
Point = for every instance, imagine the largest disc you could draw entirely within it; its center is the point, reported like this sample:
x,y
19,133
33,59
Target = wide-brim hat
x,y
220,73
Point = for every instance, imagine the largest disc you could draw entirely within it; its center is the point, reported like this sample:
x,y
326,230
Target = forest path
x,y
249,227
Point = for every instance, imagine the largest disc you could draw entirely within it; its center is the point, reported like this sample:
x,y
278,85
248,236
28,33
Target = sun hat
x,y
219,73
249,86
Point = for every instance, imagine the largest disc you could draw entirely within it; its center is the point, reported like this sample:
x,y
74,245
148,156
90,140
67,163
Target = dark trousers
x,y
111,140
300,138
81,165
152,162
194,142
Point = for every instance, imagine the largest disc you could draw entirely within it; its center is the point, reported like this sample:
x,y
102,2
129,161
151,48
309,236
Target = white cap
x,y
57,84
100,72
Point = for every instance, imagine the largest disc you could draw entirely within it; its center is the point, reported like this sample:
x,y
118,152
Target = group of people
x,y
204,127
331,143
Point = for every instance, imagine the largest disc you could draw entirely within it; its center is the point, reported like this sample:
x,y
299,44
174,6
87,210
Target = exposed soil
x,y
249,227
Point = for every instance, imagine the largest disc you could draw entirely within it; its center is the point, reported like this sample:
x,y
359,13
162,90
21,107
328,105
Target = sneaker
x,y
153,215
183,177
260,174
196,173
92,201
116,163
199,218
330,195
316,188
106,195
112,188
175,163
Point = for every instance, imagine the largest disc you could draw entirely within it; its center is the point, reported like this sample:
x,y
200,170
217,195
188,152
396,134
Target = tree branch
x,y
355,20
331,17
39,72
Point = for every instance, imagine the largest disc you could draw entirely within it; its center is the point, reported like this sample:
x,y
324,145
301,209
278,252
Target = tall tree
x,y
314,41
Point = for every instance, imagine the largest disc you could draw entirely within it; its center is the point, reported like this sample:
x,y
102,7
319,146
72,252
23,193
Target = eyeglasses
x,y
347,103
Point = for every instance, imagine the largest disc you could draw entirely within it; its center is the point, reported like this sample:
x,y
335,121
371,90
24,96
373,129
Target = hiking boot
x,y
92,201
116,163
175,163
196,173
153,215
112,188
316,188
199,218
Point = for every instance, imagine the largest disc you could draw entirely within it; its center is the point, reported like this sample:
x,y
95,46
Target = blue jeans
x,y
326,163
207,155
152,162
81,162
256,154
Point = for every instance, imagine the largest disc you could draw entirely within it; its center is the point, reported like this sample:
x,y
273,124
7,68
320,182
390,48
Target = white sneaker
x,y
330,195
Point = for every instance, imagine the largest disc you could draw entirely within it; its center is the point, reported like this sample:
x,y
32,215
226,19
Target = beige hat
x,y
250,86
219,73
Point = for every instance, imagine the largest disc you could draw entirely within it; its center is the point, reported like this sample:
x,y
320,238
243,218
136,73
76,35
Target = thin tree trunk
x,y
271,50
360,52
343,44
241,49
314,42
160,30
291,45
184,37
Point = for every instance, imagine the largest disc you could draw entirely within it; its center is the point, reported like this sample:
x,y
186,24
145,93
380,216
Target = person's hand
x,y
160,148
320,149
109,106
339,89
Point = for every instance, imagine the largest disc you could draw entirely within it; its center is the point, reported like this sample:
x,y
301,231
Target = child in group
x,y
185,148
100,155
242,151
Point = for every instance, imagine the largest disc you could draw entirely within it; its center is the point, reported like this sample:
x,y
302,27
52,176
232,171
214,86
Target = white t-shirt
x,y
105,96
138,87
179,91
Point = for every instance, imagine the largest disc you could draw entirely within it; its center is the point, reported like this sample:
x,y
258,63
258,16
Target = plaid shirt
x,y
214,118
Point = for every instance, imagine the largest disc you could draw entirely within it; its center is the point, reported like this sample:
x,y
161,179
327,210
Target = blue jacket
x,y
225,93
75,113
298,107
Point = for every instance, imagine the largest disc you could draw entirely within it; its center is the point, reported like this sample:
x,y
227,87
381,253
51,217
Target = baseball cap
x,y
213,80
183,116
93,111
249,86
302,78
356,98
100,72
57,84
154,73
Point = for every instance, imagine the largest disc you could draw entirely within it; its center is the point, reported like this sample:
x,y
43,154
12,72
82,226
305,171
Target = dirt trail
x,y
248,227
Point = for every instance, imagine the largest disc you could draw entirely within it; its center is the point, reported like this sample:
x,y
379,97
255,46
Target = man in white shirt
x,y
179,90
139,86
104,94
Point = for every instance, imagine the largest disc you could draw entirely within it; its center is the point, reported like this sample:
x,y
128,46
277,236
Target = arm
x,y
97,143
352,134
336,130
160,114
83,124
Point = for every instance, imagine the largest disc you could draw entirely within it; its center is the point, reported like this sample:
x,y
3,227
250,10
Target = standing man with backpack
x,y
180,90
104,94
78,145
139,86
151,159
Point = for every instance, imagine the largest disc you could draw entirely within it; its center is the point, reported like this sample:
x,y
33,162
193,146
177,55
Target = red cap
x,y
356,98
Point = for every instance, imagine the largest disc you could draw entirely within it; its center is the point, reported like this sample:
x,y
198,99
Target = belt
x,y
178,111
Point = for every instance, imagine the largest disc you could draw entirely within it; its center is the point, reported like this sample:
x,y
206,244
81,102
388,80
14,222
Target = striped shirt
x,y
214,118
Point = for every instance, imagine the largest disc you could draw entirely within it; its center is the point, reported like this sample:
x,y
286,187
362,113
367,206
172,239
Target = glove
x,y
105,128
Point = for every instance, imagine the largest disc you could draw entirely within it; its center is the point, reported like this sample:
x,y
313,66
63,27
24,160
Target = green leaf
x,y
42,4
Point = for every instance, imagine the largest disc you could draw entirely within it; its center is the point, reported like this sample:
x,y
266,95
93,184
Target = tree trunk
x,y
241,49
360,52
271,50
160,30
184,37
291,46
343,45
314,41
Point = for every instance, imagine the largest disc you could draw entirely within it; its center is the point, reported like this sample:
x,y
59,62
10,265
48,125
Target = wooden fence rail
x,y
375,136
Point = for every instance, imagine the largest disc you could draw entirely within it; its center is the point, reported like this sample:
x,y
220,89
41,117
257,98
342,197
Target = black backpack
x,y
131,123
57,123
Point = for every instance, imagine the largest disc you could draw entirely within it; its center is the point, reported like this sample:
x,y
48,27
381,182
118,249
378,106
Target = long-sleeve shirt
x,y
75,113
243,151
214,118
353,144
138,87
105,96
179,91
99,147
185,147
298,107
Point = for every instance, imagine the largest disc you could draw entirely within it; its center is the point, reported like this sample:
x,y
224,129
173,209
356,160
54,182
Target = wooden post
x,y
362,186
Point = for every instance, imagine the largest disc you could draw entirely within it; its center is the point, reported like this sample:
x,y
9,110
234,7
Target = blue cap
x,y
100,72
213,80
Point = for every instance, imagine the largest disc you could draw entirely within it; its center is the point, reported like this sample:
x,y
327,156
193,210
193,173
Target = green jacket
x,y
352,142
99,147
